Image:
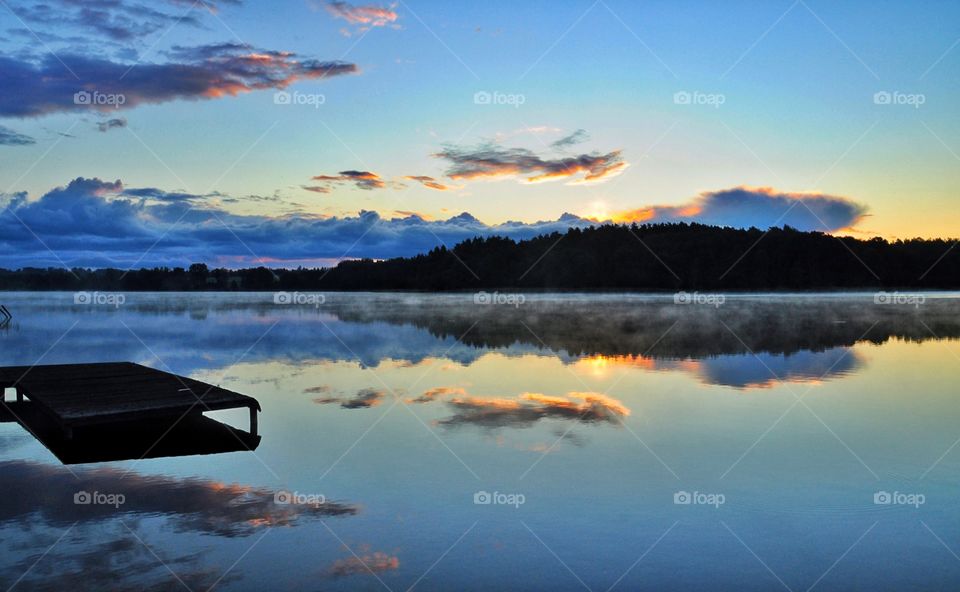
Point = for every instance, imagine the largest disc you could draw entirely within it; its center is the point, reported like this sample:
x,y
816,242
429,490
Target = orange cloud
x,y
363,17
435,393
428,182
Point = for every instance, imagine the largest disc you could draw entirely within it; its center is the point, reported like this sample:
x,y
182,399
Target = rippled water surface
x,y
568,442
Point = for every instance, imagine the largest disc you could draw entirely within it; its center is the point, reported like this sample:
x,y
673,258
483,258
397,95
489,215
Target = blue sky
x,y
782,95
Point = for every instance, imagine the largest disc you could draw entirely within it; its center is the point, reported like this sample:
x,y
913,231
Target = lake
x,y
507,441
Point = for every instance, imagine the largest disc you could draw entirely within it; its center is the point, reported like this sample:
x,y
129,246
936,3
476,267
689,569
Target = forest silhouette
x,y
654,257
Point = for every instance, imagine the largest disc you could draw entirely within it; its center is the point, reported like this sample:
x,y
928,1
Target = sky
x,y
238,132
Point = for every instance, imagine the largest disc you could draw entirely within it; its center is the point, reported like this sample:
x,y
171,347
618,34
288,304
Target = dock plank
x,y
82,394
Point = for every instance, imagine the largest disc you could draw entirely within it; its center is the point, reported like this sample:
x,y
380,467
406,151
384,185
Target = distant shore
x,y
608,258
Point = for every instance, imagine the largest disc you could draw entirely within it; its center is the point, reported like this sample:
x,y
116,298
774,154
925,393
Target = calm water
x,y
587,420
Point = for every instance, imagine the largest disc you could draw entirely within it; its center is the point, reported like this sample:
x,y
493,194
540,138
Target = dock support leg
x,y
253,421
19,394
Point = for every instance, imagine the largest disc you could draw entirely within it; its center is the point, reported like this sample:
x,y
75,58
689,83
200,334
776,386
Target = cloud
x,y
435,393
530,408
760,207
211,5
364,399
490,161
576,137
428,182
198,73
109,124
367,563
8,137
364,17
361,179
115,20
95,223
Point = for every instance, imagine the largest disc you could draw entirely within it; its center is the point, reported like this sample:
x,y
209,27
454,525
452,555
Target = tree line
x,y
672,256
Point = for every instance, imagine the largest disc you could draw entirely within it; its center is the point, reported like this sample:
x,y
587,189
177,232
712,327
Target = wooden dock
x,y
77,396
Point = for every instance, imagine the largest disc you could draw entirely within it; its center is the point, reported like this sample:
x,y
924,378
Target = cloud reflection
x,y
530,408
364,399
197,505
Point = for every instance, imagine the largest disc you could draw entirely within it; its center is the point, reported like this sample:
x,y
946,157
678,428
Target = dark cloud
x,y
8,137
361,179
428,182
204,72
364,399
491,161
573,139
30,489
109,124
760,207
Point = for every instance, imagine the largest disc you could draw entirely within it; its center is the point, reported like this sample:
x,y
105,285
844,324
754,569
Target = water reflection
x,y
37,491
597,409
187,435
797,338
